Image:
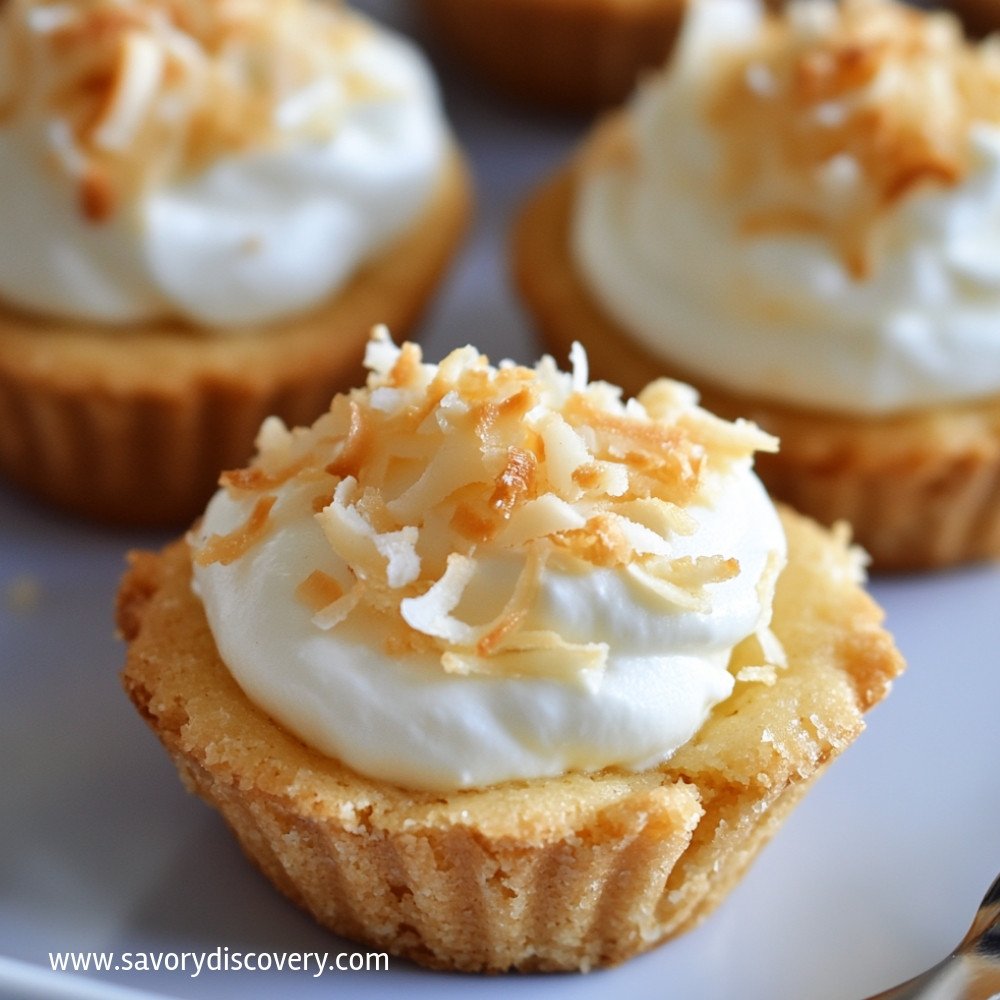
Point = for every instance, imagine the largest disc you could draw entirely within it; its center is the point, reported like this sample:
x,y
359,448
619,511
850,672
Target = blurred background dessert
x,y
206,207
800,216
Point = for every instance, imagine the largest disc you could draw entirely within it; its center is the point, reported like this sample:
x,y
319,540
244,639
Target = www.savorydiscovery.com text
x,y
222,959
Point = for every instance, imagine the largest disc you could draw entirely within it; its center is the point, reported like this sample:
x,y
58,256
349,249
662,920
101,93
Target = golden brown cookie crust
x,y
548,874
133,425
920,488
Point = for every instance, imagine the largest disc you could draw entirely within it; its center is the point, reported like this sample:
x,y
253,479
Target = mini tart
x,y
549,874
570,54
920,488
132,425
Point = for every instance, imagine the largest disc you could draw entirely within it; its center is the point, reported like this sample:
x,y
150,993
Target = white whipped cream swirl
x,y
399,717
256,236
778,315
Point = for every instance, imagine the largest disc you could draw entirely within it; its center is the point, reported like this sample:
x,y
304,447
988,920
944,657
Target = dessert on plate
x,y
492,669
206,206
801,216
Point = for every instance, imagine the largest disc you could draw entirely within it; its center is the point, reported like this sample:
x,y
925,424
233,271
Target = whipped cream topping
x,y
808,209
228,164
463,575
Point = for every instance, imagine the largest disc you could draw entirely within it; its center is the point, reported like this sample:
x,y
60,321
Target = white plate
x,y
873,878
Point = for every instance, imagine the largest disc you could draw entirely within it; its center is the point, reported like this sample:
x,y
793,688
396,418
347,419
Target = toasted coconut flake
x,y
389,556
890,90
398,548
602,541
406,368
275,439
255,479
380,354
318,590
429,473
681,582
610,478
665,399
151,91
508,624
458,463
547,515
350,452
580,366
137,81
515,483
641,540
672,594
579,663
491,416
665,519
565,453
501,631
726,441
226,549
449,413
337,610
430,613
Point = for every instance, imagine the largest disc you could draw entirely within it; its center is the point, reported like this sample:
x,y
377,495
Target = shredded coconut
x,y
142,91
428,470
884,92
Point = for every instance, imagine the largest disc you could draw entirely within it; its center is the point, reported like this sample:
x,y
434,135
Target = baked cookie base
x,y
551,874
920,489
133,425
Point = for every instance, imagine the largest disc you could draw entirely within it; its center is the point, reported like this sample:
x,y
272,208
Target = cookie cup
x,y
132,425
919,488
563,873
569,54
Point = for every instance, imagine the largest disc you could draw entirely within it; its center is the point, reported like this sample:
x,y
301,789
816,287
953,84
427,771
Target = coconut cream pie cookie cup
x,y
801,216
494,670
206,207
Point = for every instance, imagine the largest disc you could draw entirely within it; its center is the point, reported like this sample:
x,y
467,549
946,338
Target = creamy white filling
x,y
779,316
402,719
255,238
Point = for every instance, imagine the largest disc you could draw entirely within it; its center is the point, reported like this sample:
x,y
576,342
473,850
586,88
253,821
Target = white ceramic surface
x,y
873,878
